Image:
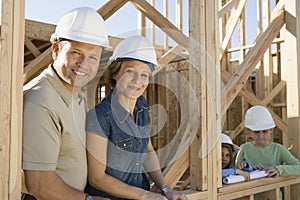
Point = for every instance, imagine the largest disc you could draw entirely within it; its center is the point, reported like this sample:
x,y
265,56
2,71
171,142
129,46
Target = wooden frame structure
x,y
265,73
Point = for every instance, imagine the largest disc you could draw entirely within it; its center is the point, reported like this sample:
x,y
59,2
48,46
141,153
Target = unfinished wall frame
x,y
257,76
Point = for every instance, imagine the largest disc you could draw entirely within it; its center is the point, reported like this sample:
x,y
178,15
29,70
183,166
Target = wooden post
x,y
11,70
205,82
291,64
166,15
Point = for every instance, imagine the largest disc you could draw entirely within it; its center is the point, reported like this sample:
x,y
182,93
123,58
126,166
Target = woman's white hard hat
x,y
259,118
135,47
82,24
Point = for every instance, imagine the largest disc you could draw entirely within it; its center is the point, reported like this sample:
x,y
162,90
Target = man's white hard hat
x,y
135,47
225,139
82,24
259,118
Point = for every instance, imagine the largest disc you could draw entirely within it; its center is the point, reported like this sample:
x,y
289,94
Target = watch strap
x,y
165,189
88,197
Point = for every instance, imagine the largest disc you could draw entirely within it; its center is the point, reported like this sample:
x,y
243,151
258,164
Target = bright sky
x,y
51,11
125,19
120,24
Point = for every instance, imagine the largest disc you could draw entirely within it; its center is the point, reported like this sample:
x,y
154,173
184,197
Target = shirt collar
x,y
119,112
61,89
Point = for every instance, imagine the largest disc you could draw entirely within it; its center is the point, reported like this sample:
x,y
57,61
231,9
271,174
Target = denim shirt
x,y
232,170
127,140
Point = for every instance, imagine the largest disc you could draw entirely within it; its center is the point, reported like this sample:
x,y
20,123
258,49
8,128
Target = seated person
x,y
228,152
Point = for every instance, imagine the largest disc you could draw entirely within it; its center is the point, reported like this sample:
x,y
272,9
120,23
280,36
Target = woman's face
x,y
132,79
226,156
262,138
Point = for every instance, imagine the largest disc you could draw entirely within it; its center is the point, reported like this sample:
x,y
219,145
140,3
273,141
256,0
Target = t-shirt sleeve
x,y
240,156
97,122
41,138
291,165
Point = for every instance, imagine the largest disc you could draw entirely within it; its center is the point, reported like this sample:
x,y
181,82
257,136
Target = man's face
x,y
76,63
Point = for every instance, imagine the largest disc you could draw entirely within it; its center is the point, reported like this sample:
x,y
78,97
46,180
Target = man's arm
x,y
47,185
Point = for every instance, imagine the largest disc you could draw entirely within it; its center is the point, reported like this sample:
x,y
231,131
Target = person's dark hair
x,y
111,71
231,163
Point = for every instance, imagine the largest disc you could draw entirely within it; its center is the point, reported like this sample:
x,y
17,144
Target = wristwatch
x,y
165,189
88,197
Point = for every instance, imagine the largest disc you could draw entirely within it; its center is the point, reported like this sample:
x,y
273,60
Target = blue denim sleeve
x,y
96,122
248,168
228,171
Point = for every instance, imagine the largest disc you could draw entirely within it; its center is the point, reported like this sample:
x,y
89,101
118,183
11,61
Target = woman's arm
x,y
96,155
152,167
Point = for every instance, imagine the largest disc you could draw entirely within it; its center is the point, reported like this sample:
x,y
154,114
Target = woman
x,y
118,141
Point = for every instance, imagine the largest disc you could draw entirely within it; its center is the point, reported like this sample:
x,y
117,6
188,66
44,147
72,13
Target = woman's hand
x,y
99,198
175,195
152,195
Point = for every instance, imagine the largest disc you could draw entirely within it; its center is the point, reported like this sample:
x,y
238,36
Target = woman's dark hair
x,y
111,71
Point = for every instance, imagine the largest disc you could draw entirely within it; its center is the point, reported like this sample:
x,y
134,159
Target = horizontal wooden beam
x,y
196,195
255,186
238,80
246,188
38,30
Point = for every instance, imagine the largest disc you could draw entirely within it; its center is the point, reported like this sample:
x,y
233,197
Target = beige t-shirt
x,y
54,129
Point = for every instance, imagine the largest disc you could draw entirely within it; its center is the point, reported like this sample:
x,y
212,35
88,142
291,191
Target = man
x,y
54,153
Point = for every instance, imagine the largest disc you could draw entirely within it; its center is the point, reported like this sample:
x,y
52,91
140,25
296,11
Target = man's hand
x,y
272,171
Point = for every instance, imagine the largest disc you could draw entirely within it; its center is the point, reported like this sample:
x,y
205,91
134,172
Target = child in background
x,y
228,152
262,153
